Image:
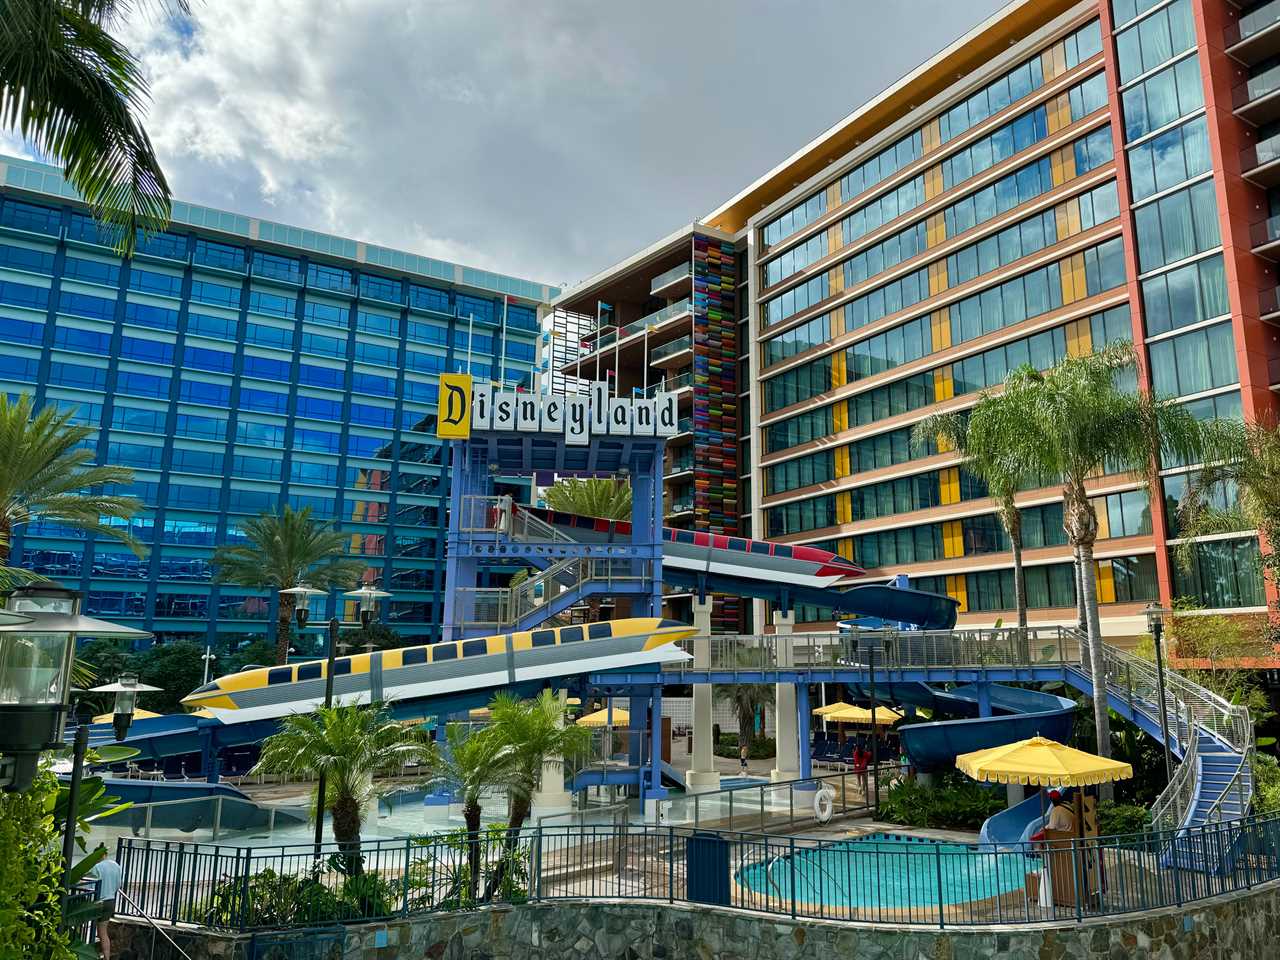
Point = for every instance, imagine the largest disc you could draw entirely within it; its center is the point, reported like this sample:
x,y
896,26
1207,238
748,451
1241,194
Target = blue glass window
x,y
24,258
326,313
136,455
273,304
146,315
314,376
168,245
424,362
91,271
378,353
429,298
20,331
197,461
319,441
138,420
83,305
522,318
162,284
190,497
379,288
428,333
202,358
260,434
266,368
318,474
469,306
207,326
329,278
256,468
251,501
319,408
201,391
220,255
277,267
206,291
19,368
77,375
421,392
268,336
372,416
201,428
325,346
263,401
149,351
378,323
142,384
84,341
30,217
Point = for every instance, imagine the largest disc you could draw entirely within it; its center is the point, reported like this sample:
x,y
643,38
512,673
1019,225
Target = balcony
x,y
1257,100
1269,304
1273,373
1260,162
663,355
1256,36
677,465
1264,236
669,281
671,384
607,336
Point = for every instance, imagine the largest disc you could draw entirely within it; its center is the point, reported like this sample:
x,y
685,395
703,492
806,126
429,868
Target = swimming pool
x,y
889,871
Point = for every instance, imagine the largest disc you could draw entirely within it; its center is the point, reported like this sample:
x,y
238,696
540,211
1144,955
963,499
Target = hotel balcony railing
x,y
685,425
678,465
607,335
1269,303
1273,371
669,384
1258,161
679,272
684,506
1256,99
671,349
1265,236
1256,35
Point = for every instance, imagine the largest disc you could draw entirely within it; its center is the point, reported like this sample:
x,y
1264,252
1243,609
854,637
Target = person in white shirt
x,y
108,874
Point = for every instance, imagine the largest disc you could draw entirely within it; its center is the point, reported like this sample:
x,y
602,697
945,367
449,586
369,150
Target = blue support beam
x,y
802,728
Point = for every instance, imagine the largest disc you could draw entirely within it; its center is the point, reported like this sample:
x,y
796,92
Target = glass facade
x,y
236,376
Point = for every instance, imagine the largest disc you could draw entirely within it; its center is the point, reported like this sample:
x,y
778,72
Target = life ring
x,y
824,804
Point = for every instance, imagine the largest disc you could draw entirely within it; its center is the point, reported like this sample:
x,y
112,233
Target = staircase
x,y
1214,742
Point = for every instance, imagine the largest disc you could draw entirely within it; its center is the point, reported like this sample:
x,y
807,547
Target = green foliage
x,y
30,873
176,667
954,802
760,748
258,652
1121,819
594,497
377,634
45,466
269,899
1266,783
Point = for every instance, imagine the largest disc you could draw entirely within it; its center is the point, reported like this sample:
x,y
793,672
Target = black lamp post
x,y
368,597
1155,623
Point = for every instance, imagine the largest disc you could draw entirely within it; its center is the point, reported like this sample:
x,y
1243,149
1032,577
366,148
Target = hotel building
x,y
1064,176
239,365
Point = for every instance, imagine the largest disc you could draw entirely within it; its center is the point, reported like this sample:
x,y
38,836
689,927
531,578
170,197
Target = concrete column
x,y
551,796
1013,794
784,720
702,775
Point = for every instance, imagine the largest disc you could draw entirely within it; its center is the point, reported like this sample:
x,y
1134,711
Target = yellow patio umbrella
x,y
885,716
1041,762
601,718
831,708
137,715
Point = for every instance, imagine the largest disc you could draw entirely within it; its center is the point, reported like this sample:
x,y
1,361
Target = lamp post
x,y
1155,623
208,657
38,628
368,597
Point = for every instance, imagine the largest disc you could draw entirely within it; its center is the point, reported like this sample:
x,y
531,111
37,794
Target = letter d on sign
x,y
453,421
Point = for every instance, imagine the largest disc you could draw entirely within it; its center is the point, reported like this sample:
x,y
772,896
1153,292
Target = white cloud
x,y
542,139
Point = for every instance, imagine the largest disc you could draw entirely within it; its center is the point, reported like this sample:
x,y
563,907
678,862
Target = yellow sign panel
x,y
453,422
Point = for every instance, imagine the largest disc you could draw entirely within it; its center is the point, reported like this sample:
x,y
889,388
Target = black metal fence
x,y
878,878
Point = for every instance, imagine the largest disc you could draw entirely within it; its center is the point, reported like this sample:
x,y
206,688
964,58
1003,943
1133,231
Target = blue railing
x,y
877,879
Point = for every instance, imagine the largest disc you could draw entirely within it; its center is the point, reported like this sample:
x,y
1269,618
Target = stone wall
x,y
1244,926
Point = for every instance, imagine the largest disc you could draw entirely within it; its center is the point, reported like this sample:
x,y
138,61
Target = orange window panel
x,y
1058,112
1071,270
933,182
844,547
842,462
949,486
844,507
1053,61
1079,336
944,385
1106,581
957,589
1104,521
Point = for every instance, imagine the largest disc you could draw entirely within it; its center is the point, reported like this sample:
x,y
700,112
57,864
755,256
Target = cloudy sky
x,y
543,138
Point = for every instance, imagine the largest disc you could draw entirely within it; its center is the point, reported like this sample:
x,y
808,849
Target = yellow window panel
x,y
844,507
943,444
1079,338
1104,521
844,547
1068,163
949,486
935,230
952,539
1071,270
1055,168
842,462
835,280
1053,61
931,135
932,182
957,589
833,195
1106,581
839,376
840,417
837,322
943,384
1058,112
940,328
937,277
835,238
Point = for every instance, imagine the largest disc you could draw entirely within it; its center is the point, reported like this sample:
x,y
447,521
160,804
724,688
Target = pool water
x,y
890,871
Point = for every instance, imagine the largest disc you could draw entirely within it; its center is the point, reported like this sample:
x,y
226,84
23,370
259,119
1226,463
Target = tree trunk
x,y
746,725
471,817
519,813
1081,525
1012,519
346,831
283,618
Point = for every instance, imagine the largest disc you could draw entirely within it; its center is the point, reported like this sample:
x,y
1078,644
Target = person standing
x,y
108,874
742,759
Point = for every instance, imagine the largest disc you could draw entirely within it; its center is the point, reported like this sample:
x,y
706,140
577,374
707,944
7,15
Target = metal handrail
x,y
509,605
155,927
1170,807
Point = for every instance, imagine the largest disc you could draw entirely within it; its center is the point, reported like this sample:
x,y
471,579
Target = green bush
x,y
954,802
762,748
1266,783
1118,819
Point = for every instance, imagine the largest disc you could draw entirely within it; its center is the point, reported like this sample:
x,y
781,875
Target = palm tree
x,y
350,744
535,732
746,699
283,552
1245,458
472,762
75,91
983,436
1083,422
45,475
595,497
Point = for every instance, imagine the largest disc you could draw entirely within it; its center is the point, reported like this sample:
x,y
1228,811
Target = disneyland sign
x,y
578,417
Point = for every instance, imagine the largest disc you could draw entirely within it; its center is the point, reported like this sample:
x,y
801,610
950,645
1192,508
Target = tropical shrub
x,y
952,802
1120,819
760,748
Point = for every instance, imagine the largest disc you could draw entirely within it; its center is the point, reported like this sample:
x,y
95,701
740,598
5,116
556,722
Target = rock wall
x,y
1244,926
